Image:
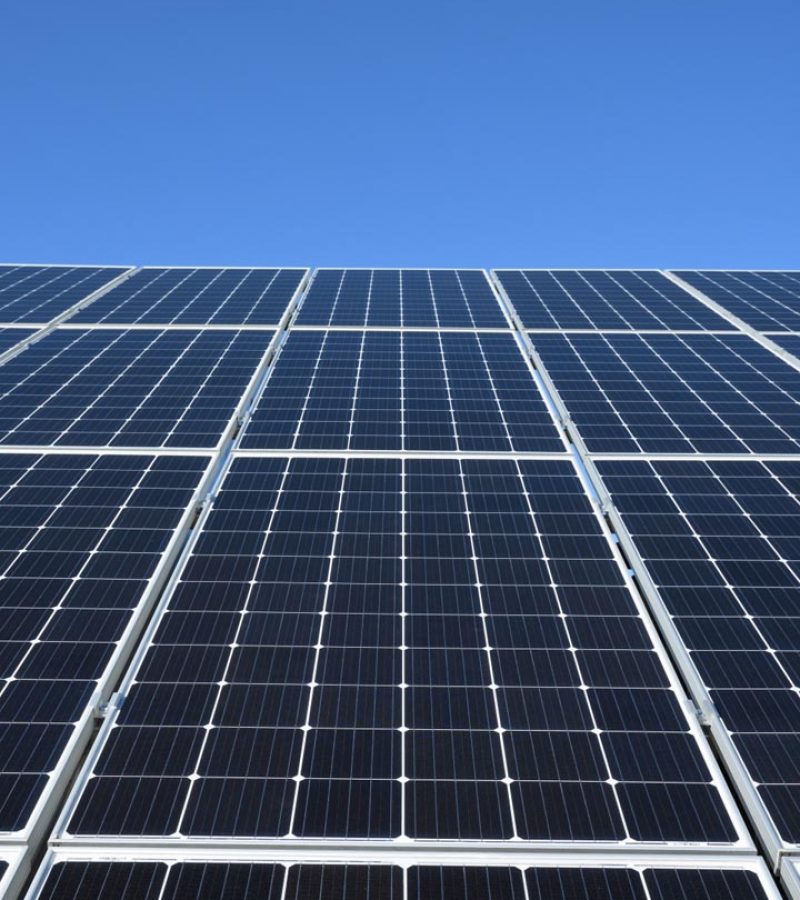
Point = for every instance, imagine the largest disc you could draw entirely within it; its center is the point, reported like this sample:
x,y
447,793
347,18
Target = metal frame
x,y
17,873
790,876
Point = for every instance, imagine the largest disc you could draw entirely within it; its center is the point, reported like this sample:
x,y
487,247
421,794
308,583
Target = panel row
x,y
373,648
81,540
268,881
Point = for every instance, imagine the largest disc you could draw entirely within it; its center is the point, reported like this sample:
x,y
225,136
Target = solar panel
x,y
790,342
721,542
371,648
41,293
669,393
363,390
610,299
81,538
10,337
427,298
767,301
127,388
197,297
152,880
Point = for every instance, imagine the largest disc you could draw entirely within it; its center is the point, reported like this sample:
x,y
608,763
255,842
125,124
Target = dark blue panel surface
x,y
428,298
721,541
9,337
621,299
40,293
374,647
668,393
135,388
76,552
768,301
197,297
347,390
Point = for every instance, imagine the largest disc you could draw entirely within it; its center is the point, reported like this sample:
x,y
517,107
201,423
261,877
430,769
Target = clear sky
x,y
424,132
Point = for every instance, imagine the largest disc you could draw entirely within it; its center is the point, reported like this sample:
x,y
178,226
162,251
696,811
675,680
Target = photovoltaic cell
x,y
348,390
40,293
629,300
271,881
109,388
669,393
428,298
767,301
372,648
197,297
80,537
721,541
790,342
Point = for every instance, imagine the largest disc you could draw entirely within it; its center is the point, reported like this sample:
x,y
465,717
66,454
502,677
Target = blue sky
x,y
428,132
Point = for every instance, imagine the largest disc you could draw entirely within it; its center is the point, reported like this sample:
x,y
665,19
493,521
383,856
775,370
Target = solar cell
x,y
372,648
767,301
80,539
120,880
611,299
669,393
197,297
360,390
41,293
428,298
721,542
134,388
790,342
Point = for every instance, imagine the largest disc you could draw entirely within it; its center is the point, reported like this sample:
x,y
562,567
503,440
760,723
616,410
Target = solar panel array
x,y
359,572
